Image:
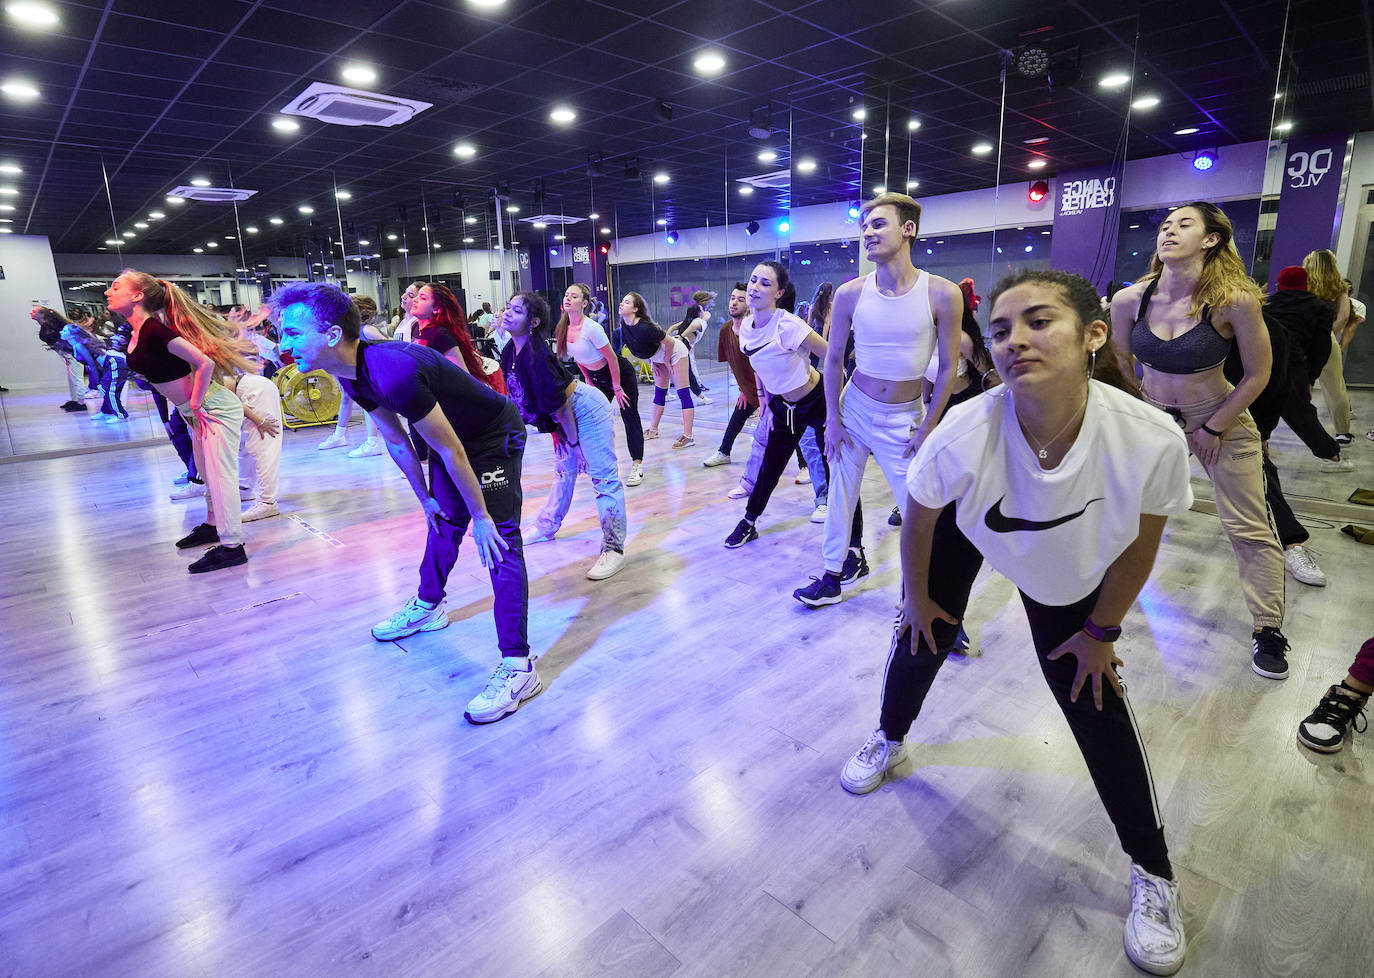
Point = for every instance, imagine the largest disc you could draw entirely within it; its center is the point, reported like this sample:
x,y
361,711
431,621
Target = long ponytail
x,y
220,340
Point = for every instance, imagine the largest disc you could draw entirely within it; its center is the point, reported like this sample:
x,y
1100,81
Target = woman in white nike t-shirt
x,y
1063,484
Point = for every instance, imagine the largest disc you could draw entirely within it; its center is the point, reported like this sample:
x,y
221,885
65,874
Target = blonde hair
x,y
1324,275
211,334
1223,279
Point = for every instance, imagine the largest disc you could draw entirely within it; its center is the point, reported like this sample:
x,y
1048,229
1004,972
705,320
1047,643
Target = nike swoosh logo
x,y
749,353
997,523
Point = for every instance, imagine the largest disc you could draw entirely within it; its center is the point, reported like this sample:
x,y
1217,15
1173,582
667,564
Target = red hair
x,y
449,314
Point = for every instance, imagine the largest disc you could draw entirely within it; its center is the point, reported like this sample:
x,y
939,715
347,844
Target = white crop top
x,y
894,336
776,351
586,349
933,369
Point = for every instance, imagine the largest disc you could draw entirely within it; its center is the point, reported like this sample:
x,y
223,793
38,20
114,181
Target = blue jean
x,y
811,453
596,439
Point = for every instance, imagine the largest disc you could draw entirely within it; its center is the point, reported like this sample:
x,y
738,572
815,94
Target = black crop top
x,y
152,359
1194,351
643,338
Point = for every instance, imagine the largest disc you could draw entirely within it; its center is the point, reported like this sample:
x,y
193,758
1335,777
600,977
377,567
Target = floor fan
x,y
307,399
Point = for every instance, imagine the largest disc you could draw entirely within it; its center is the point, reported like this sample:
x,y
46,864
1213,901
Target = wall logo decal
x,y
1307,169
1077,196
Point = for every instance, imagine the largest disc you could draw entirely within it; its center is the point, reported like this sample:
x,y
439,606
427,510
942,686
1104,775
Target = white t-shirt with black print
x,y
1053,532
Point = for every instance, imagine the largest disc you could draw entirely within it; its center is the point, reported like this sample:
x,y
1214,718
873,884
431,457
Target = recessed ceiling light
x,y
251,229
128,234
912,184
562,115
391,237
1036,165
981,149
661,178
19,89
212,244
879,189
175,200
10,168
469,240
767,156
746,190
141,225
199,182
605,230
156,215
487,3
306,209
469,220
806,166
512,209
343,194
286,125
560,237
359,74
594,216
403,251
539,225
1115,80
465,150
1185,131
709,63
1147,102
913,124
1283,126
230,237
112,241
859,115
32,14
9,191
199,251
6,230
6,207
274,220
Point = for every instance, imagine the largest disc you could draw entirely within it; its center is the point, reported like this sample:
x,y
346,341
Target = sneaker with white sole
x,y
1302,567
1154,938
370,446
1344,439
189,491
607,565
247,494
507,688
803,478
855,567
716,458
260,511
703,399
1268,656
636,475
686,441
336,439
739,492
650,434
743,533
820,592
412,618
869,766
533,534
1338,464
1324,730
819,514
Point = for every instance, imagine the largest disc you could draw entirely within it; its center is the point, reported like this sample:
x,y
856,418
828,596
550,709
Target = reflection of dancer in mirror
x,y
477,443
579,418
690,329
1325,282
581,337
1194,301
667,357
899,316
180,358
1053,469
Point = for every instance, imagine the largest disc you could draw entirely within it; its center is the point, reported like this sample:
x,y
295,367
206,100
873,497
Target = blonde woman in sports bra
x,y
1184,313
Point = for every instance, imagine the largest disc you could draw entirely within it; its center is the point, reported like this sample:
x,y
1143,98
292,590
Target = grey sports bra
x,y
1199,349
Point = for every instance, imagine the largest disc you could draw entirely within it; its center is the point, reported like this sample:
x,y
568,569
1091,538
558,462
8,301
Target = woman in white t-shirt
x,y
582,338
1063,483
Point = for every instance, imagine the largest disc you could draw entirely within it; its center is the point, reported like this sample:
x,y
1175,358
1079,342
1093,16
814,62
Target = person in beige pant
x,y
1325,282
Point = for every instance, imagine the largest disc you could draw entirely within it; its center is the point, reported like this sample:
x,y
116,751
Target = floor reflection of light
x,y
719,809
598,724
549,908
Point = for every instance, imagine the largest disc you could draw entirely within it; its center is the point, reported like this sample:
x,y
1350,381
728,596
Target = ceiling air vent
x,y
552,219
352,107
769,181
212,195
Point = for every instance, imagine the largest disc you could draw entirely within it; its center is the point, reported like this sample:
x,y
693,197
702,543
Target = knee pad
x,y
684,397
660,396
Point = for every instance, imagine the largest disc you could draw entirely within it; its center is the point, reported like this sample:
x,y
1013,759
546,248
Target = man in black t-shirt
x,y
477,441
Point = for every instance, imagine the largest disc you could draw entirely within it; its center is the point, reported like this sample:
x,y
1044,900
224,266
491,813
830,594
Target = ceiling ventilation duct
x,y
342,106
212,195
564,219
776,180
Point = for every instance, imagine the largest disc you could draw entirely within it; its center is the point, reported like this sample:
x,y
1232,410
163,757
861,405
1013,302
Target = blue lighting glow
x,y
784,226
672,237
853,212
930,251
553,252
1030,248
1204,160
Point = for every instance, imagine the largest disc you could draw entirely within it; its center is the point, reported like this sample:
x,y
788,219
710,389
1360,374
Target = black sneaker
x,y
218,558
895,517
1324,728
743,533
855,567
1344,439
68,406
820,592
79,407
203,533
1267,648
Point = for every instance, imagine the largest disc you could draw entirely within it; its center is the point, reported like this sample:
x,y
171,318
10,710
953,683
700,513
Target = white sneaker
x,y
369,447
703,399
1339,464
607,565
819,514
189,491
414,617
716,458
532,534
739,492
247,494
260,511
1154,937
803,478
505,691
869,766
636,475
336,439
1302,567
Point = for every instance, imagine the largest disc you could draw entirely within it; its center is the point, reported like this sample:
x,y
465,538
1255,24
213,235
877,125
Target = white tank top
x,y
894,336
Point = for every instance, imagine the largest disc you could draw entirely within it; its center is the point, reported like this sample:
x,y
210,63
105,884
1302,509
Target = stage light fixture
x,y
672,236
1205,159
1038,191
751,228
784,226
854,211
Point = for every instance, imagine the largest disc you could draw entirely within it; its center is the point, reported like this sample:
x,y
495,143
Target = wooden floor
x,y
226,775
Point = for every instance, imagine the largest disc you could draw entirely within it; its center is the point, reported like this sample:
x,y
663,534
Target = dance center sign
x,y
1306,219
1086,219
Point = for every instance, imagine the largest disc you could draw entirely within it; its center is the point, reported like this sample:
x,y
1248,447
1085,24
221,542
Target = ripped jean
x,y
596,438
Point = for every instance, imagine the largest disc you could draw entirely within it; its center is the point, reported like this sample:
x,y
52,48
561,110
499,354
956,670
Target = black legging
x,y
738,415
629,414
1107,738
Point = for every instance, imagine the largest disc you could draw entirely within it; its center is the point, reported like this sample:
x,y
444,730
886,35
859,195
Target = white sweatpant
x,y
259,454
877,429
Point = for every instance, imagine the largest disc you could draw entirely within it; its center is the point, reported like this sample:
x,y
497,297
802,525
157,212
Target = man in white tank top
x,y
899,316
